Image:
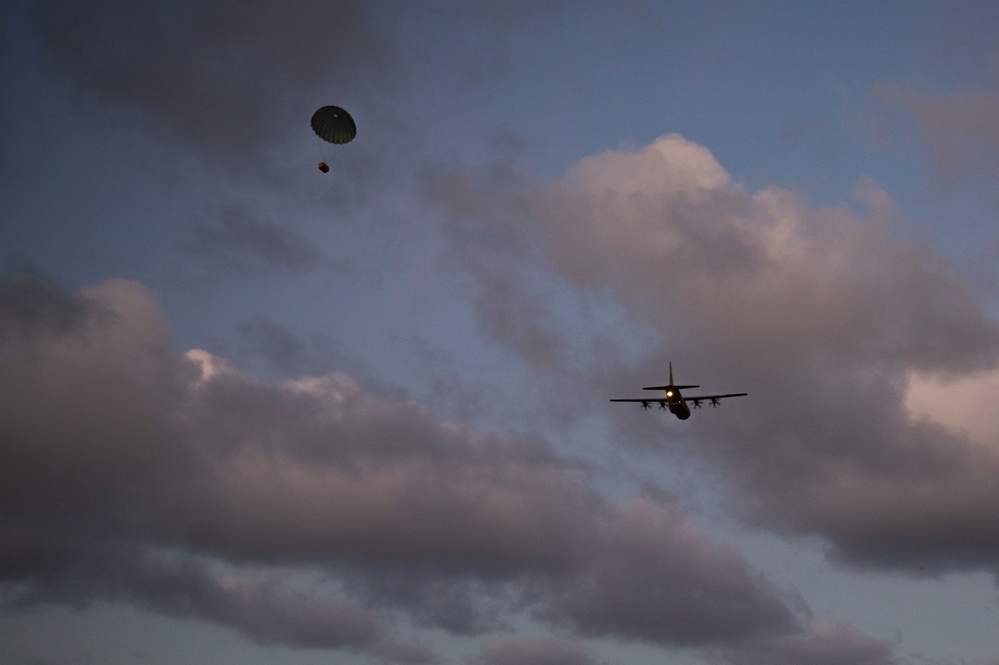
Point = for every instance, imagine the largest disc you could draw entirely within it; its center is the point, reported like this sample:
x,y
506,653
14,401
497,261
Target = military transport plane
x,y
675,402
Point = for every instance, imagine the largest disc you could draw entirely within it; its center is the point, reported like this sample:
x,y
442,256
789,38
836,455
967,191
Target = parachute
x,y
333,125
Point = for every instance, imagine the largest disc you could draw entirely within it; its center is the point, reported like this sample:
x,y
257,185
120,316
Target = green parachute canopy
x,y
333,124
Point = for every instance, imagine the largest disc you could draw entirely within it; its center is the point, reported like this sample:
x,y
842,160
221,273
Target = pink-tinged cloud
x,y
822,314
679,243
136,473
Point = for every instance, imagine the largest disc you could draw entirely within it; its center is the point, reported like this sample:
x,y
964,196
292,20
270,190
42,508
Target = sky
x,y
255,413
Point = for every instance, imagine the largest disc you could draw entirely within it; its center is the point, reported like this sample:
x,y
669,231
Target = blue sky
x,y
251,412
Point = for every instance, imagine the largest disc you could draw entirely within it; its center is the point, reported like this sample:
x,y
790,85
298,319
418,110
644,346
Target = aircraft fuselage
x,y
677,405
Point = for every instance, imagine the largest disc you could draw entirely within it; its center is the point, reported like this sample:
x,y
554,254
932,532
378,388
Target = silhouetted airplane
x,y
677,403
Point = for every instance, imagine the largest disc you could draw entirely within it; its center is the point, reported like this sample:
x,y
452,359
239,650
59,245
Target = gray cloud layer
x,y
136,473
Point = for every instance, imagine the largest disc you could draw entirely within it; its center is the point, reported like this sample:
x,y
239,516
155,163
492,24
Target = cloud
x,y
91,386
656,578
258,608
30,300
677,241
278,347
961,129
825,308
962,403
514,308
821,314
236,82
88,382
241,243
136,473
517,318
405,653
227,78
536,651
826,643
316,462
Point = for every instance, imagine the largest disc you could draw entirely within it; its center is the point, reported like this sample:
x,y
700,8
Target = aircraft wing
x,y
648,400
711,398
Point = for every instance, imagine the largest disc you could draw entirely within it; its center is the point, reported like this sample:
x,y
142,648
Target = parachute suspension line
x,y
333,125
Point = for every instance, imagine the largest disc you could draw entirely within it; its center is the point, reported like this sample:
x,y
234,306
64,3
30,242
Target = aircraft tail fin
x,y
670,383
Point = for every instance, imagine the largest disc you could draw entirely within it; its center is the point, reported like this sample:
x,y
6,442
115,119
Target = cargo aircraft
x,y
674,401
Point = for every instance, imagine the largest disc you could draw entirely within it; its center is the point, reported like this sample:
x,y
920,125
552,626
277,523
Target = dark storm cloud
x,y
818,312
133,472
219,75
240,242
